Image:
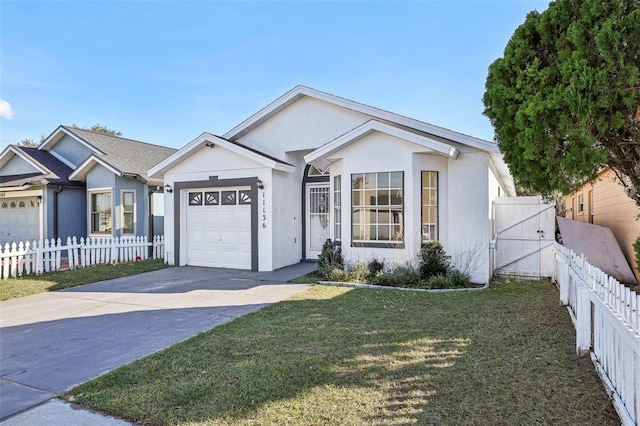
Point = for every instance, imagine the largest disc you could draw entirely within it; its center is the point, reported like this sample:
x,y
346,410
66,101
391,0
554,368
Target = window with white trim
x,y
101,220
337,215
377,207
429,197
128,206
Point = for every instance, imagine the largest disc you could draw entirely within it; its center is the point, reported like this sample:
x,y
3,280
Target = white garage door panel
x,y
219,235
19,220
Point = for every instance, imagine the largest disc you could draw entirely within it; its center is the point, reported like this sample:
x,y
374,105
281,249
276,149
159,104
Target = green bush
x,y
434,260
330,259
358,273
401,276
454,279
375,266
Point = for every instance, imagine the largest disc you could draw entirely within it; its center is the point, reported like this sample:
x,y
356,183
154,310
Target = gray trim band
x,y
215,182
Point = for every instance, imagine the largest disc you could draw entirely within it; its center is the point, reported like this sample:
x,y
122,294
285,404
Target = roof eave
x,y
80,173
371,126
300,91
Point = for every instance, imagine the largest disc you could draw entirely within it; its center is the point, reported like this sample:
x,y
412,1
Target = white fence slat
x,y
37,257
607,320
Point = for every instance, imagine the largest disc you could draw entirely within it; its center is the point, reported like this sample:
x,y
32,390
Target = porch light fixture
x,y
167,188
39,200
259,184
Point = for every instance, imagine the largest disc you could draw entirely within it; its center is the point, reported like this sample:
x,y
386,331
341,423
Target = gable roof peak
x,y
300,91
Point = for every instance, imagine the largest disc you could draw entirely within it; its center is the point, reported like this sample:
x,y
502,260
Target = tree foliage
x,y
99,128
28,142
564,100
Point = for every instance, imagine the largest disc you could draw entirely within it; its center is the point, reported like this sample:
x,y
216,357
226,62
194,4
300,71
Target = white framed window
x,y
377,203
337,210
100,208
128,211
429,196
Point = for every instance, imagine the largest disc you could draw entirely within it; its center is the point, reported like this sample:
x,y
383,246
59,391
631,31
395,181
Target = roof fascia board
x,y
373,126
20,153
81,172
299,91
55,137
208,138
182,154
497,164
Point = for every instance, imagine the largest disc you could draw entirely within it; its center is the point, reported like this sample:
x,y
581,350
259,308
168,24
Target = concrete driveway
x,y
53,341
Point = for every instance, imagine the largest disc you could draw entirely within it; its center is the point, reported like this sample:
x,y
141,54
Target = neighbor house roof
x,y
50,170
210,140
124,157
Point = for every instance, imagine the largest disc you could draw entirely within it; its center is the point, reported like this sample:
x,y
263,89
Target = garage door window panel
x,y
195,198
212,198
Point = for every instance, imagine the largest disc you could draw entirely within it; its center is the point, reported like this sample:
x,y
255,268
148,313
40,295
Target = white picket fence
x,y
606,315
37,257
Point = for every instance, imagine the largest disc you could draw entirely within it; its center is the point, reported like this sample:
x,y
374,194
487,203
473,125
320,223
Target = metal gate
x,y
524,236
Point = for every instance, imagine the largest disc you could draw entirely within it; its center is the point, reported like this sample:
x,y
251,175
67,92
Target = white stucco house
x,y
312,166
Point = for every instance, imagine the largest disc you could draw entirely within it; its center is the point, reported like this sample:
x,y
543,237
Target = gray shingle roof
x,y
58,171
126,155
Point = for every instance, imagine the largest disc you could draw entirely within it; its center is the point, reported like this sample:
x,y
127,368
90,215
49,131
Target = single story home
x,y
79,183
312,166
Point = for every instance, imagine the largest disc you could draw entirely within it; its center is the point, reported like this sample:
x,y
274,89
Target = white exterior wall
x,y
306,124
287,214
469,219
225,164
373,154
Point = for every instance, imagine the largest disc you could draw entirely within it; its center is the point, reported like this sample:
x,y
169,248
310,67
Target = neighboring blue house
x,y
80,183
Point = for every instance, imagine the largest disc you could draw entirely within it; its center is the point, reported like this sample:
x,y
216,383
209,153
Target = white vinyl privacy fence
x,y
606,315
36,257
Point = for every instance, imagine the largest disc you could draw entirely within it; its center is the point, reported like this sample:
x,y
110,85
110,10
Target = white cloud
x,y
5,110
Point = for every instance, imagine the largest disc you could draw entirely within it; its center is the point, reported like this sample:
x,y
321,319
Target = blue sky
x,y
164,71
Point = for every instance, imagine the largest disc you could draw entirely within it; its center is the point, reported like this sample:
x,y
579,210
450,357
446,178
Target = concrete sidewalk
x,y
54,341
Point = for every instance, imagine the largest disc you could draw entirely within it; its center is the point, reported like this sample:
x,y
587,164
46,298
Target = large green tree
x,y
564,100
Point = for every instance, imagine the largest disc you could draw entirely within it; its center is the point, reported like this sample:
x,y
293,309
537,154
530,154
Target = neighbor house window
x,y
580,203
128,212
377,207
429,206
337,218
101,220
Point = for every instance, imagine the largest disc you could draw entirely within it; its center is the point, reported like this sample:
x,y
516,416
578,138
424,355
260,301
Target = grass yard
x,y
33,284
337,356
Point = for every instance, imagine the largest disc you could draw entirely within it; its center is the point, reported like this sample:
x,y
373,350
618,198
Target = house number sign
x,y
264,211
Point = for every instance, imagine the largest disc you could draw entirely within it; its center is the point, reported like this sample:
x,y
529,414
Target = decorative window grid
x,y
212,198
195,198
244,197
229,198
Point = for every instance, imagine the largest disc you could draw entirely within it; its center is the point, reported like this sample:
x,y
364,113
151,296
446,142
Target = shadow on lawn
x,y
361,357
335,359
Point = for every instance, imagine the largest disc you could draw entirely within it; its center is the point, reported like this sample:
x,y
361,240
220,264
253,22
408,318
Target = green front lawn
x,y
52,281
337,356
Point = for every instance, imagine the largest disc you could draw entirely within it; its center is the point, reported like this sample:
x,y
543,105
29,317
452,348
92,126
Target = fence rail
x,y
37,257
606,315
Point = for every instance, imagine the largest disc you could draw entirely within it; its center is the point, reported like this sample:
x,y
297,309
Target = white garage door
x,y
219,228
19,220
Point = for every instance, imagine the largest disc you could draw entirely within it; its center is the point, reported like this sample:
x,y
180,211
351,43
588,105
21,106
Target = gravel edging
x,y
385,287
